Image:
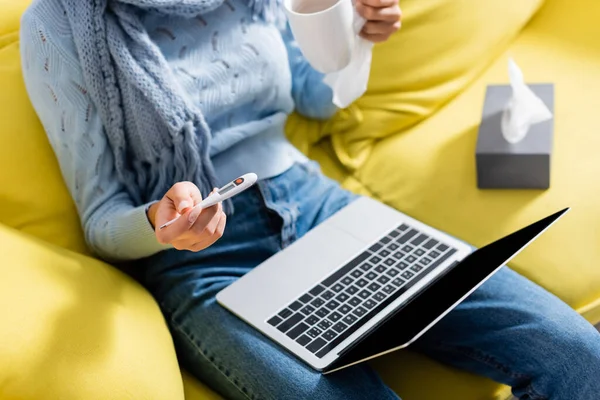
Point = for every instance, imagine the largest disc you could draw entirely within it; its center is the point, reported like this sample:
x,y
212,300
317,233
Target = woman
x,y
149,104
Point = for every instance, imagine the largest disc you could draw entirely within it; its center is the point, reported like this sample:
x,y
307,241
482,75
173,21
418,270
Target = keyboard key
x,y
347,280
361,283
303,340
339,327
416,268
274,321
356,273
364,294
285,313
433,254
322,312
332,305
379,296
314,332
290,322
375,248
392,272
306,298
398,255
295,306
351,290
407,236
371,275
312,320
389,289
373,286
335,316
338,287
442,247
360,311
389,262
407,249
375,260
316,290
349,319
425,261
402,265
403,227
407,275
419,239
329,335
342,297
366,266
324,324
307,310
316,345
429,245
398,282
369,304
380,268
394,233
411,259
383,279
393,246
384,253
345,309
354,301
333,278
297,330
318,302
419,252
385,240
327,295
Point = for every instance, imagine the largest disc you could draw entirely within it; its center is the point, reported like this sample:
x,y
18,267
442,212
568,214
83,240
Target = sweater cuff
x,y
134,232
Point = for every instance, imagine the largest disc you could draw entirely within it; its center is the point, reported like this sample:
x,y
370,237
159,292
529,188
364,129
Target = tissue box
x,y
523,165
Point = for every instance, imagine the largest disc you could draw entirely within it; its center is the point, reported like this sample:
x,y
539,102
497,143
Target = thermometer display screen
x,y
226,189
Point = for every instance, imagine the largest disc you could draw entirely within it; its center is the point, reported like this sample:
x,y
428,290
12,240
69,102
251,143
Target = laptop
x,y
367,281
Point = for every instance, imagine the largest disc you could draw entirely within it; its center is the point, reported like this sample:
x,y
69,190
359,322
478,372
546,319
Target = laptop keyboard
x,y
324,316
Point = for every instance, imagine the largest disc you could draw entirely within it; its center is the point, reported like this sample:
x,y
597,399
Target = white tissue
x,y
351,82
524,109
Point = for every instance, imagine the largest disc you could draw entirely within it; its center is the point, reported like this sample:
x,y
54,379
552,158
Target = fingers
x,y
184,195
372,13
206,223
218,234
374,28
379,3
179,227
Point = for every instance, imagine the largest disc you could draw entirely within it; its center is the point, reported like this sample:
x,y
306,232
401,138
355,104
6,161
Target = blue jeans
x,y
509,330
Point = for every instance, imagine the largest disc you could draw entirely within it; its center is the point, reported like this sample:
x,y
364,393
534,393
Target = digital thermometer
x,y
233,188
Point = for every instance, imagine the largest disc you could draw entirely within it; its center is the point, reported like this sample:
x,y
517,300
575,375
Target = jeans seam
x,y
225,372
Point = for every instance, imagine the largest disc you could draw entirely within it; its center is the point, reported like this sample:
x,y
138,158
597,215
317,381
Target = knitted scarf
x,y
156,136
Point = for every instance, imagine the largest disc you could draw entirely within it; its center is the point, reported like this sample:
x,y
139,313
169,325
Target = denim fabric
x,y
509,330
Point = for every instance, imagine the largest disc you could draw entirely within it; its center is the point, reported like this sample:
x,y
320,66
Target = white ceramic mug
x,y
325,31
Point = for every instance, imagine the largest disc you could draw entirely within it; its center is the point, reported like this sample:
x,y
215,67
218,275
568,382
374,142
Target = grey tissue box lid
x,y
523,165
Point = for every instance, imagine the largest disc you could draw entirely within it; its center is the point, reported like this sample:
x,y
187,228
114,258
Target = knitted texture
x,y
243,74
156,136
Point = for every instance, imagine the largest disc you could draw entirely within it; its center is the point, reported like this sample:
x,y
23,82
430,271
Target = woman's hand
x,y
196,229
383,18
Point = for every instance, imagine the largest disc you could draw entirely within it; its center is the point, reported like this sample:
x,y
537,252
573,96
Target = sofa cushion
x,y
75,328
429,173
33,197
442,47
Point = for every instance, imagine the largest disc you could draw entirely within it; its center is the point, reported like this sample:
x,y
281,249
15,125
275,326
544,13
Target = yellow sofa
x,y
73,327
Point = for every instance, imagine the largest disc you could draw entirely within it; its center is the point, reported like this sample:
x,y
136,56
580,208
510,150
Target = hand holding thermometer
x,y
226,192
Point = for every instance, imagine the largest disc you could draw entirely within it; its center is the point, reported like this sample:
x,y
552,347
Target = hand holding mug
x,y
384,17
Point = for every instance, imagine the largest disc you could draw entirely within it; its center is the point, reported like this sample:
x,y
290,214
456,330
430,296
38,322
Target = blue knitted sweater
x,y
243,74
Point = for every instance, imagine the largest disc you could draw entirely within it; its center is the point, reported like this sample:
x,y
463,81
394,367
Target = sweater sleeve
x,y
313,98
114,228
